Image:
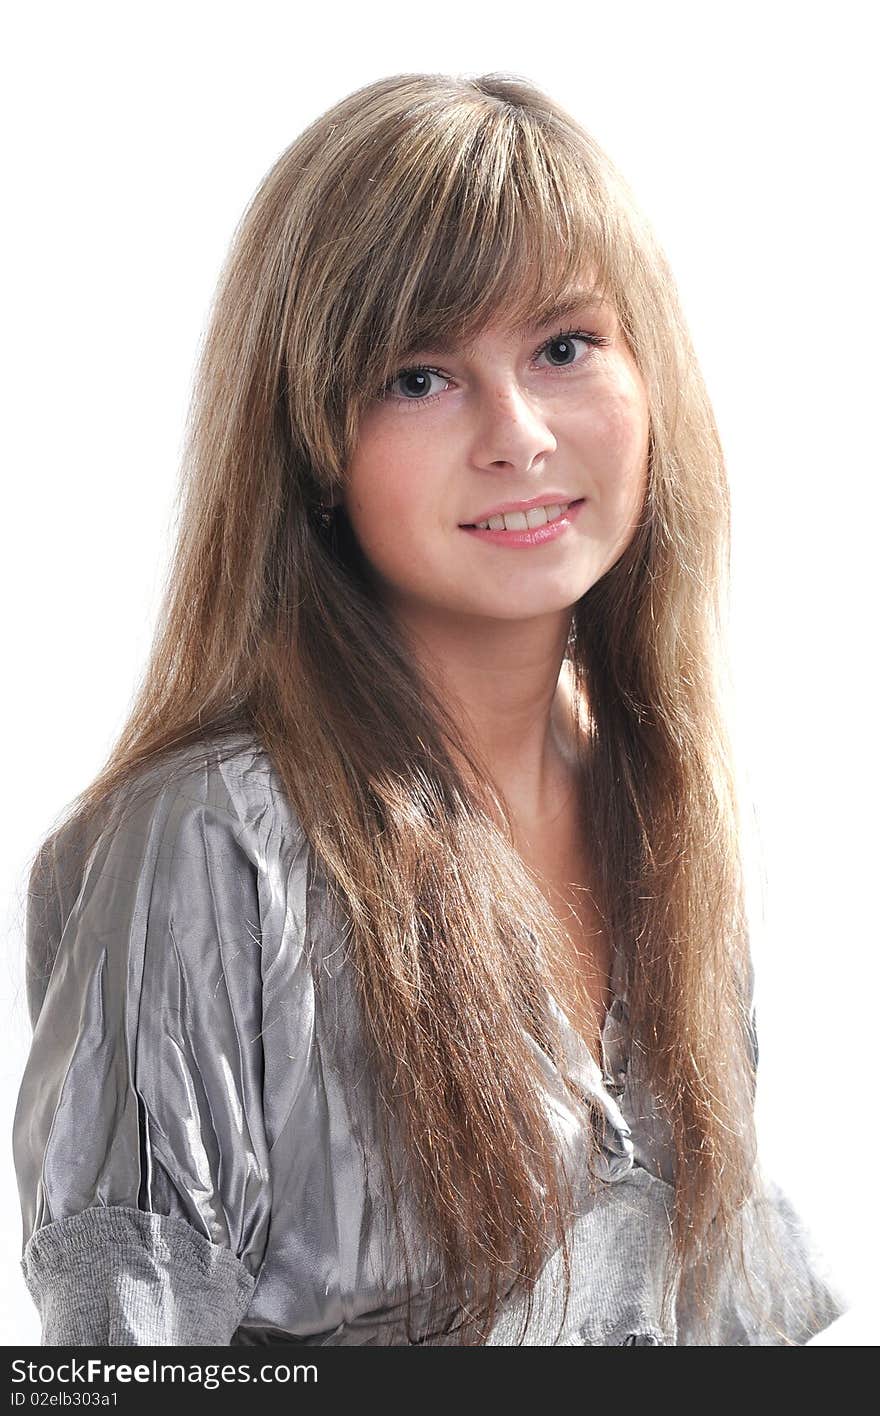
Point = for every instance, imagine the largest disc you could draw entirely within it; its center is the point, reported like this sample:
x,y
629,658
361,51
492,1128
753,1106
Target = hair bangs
x,y
512,223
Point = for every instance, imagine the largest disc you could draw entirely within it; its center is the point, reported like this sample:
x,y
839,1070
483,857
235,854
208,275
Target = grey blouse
x,y
193,1162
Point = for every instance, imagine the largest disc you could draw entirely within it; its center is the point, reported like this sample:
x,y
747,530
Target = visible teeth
x,y
523,521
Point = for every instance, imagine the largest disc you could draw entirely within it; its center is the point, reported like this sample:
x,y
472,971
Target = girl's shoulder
x,y
204,834
232,775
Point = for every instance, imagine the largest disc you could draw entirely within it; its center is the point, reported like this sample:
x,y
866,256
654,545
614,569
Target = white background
x,y
134,137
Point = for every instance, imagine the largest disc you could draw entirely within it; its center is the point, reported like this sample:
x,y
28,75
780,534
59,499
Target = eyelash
x,y
595,340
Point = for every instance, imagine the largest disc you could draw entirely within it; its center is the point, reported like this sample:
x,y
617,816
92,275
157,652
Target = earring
x,y
326,511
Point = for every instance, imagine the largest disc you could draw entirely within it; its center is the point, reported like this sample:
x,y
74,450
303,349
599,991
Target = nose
x,y
511,430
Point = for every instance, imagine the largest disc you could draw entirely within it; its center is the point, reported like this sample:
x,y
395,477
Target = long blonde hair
x,y
419,208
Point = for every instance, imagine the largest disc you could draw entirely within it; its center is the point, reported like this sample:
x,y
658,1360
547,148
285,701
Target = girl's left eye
x,y
422,373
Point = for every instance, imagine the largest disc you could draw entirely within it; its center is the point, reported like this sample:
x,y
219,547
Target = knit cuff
x,y
114,1276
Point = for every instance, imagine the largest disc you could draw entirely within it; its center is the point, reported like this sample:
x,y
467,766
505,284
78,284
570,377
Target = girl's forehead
x,y
518,317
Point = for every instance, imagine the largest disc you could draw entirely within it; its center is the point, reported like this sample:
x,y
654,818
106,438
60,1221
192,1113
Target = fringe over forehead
x,y
441,206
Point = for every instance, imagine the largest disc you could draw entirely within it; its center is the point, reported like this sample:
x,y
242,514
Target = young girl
x,y
392,983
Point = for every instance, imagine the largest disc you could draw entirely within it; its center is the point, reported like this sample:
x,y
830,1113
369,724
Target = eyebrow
x,y
578,300
560,310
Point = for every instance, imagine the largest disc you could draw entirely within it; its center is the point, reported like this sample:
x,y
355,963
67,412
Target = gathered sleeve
x,y
139,1141
793,1294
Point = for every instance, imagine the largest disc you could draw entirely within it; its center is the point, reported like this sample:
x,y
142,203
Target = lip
x,y
545,499
536,535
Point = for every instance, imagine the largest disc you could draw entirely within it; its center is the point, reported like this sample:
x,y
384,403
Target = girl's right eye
x,y
416,383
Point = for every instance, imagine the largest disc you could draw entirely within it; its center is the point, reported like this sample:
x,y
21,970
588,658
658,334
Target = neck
x,y
505,686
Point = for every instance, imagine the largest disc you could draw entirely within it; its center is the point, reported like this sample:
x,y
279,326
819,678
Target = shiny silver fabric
x,y
193,1159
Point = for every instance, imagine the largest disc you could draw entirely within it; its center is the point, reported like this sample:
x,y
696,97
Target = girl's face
x,y
548,416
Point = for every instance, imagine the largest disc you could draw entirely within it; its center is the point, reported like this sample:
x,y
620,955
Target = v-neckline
x,y
615,1014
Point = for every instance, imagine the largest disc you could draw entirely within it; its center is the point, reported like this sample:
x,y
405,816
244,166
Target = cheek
x,y
612,444
622,416
388,499
618,440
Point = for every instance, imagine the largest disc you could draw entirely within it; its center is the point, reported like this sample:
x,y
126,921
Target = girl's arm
x,y
139,1142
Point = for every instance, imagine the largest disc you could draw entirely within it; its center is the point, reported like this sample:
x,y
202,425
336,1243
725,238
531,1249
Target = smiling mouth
x,y
523,520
